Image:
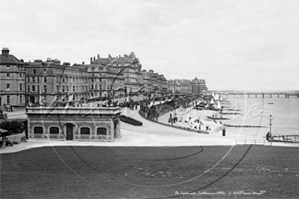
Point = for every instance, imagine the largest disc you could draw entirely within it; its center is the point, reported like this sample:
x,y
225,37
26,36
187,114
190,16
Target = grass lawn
x,y
151,172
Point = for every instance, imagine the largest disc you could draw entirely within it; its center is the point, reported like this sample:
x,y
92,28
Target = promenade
x,y
150,134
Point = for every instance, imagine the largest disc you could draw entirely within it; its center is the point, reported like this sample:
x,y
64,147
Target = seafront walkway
x,y
150,134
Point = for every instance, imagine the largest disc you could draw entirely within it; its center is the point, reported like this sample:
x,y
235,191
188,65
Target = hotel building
x,y
121,72
50,81
12,77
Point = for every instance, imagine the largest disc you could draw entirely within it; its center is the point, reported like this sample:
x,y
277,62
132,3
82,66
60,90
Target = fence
x,y
258,142
285,138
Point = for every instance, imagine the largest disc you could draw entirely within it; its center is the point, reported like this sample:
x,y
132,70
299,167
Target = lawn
x,y
151,172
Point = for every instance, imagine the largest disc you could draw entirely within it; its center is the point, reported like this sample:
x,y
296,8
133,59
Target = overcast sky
x,y
232,44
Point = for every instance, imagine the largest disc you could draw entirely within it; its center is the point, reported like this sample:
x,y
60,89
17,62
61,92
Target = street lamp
x,y
270,119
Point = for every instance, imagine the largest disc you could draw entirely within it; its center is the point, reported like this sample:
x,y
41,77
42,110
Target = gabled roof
x,y
121,60
10,59
127,59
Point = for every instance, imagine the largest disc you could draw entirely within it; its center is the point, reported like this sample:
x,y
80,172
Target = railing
x,y
276,138
258,142
285,138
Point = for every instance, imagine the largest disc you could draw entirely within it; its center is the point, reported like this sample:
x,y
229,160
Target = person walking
x,y
171,118
268,136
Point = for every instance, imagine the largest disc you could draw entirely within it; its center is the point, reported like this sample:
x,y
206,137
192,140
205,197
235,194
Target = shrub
x,y
13,127
130,120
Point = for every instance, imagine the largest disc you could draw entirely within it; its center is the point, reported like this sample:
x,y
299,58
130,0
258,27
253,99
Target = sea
x,y
284,114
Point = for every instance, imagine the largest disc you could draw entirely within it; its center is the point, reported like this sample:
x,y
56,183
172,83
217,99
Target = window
x,y
45,79
57,88
38,79
54,130
33,88
28,88
38,88
7,75
73,88
20,87
33,79
45,89
7,87
45,70
38,130
20,98
20,76
101,131
8,99
7,67
34,71
84,131
63,88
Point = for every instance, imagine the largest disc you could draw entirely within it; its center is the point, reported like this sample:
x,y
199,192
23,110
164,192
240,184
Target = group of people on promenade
x,y
173,117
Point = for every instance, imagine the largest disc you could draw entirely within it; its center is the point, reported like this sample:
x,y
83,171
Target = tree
x,y
13,127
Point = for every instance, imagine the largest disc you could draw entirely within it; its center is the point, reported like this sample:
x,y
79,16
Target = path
x,y
150,134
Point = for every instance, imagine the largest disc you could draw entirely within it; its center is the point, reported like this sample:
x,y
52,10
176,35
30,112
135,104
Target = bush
x,y
13,127
130,120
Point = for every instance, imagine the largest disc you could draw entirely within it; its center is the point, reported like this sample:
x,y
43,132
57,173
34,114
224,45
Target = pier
x,y
258,94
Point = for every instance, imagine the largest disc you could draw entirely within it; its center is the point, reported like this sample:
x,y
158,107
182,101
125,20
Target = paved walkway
x,y
150,134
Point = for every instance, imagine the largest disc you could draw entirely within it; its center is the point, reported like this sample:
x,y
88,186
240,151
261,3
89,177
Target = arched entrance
x,y
69,131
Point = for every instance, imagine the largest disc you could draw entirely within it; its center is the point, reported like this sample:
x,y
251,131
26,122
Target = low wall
x,y
16,137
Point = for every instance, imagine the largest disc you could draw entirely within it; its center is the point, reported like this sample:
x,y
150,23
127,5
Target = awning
x,y
3,132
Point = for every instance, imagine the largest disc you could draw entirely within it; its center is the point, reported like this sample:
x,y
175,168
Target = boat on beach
x,y
217,118
229,113
239,125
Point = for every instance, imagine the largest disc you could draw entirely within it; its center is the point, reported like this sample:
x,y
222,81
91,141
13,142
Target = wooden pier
x,y
258,95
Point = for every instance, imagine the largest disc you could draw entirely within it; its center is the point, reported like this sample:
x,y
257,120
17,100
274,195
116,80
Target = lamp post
x,y
270,119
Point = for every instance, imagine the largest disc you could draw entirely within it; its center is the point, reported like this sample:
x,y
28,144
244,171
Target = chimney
x,y
83,63
91,60
5,52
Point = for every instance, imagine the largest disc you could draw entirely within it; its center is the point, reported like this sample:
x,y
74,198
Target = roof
x,y
3,130
129,59
121,60
10,59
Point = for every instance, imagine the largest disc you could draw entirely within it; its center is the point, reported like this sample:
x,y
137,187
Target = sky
x,y
232,44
